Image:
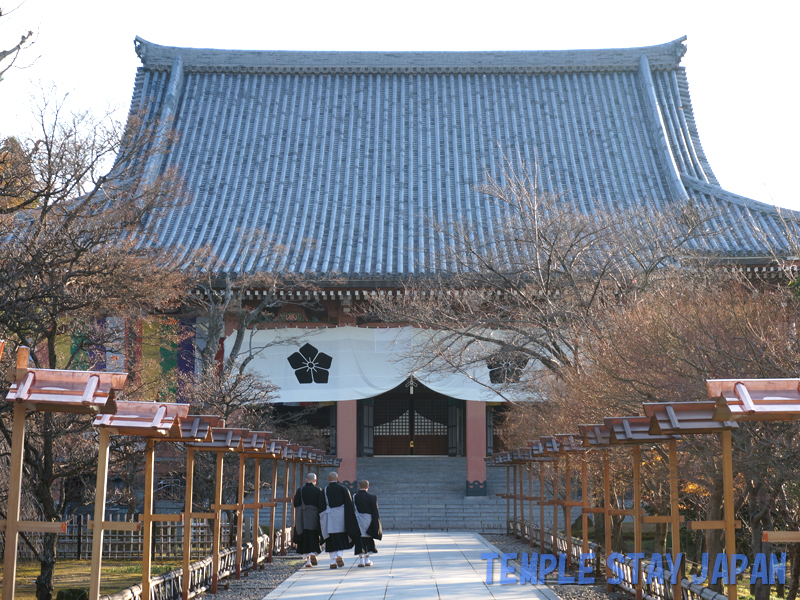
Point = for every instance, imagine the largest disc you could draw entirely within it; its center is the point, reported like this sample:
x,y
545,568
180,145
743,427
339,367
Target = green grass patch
x,y
744,590
116,575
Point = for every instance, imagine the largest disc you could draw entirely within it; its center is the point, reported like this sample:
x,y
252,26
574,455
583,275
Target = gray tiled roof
x,y
344,156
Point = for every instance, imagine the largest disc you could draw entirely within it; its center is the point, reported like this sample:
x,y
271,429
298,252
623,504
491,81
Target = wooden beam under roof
x,y
755,399
146,419
549,444
684,418
198,427
632,430
223,439
58,390
519,455
595,435
569,442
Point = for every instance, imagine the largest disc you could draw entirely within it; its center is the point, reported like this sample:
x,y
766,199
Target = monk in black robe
x,y
306,532
342,526
369,521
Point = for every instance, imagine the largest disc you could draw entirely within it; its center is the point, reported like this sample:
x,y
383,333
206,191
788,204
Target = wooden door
x,y
392,425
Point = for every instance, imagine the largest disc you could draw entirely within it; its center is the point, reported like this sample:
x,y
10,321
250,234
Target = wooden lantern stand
x,y
635,432
222,440
290,459
88,392
751,400
153,421
254,444
519,458
504,459
539,459
568,445
46,390
271,451
596,437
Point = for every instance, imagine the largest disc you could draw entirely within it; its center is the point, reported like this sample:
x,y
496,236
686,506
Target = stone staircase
x,y
427,492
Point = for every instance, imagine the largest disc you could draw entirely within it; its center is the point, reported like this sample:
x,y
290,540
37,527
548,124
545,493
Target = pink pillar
x,y
346,440
476,448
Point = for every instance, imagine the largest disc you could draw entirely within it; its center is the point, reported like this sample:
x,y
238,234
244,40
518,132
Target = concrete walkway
x,y
410,566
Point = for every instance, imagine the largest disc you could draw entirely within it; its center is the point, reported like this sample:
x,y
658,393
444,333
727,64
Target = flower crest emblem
x,y
310,364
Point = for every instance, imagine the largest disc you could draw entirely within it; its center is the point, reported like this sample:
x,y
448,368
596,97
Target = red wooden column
x,y
347,440
476,448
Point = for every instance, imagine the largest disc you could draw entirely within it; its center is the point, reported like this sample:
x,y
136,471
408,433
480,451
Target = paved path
x,y
410,566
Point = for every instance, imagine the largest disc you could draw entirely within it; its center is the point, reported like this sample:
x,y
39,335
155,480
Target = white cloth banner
x,y
349,363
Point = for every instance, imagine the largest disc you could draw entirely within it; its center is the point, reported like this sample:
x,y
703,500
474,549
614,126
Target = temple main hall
x,y
342,158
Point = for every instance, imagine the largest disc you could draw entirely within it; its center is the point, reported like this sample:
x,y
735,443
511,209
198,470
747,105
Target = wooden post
x,y
187,524
273,510
674,509
290,495
555,506
514,496
300,482
607,515
99,515
521,503
508,499
287,511
727,498
529,468
147,538
568,518
14,493
215,544
284,505
541,507
256,501
637,515
240,518
585,506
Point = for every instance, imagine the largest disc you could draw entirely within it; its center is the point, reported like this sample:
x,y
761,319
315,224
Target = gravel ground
x,y
258,584
507,544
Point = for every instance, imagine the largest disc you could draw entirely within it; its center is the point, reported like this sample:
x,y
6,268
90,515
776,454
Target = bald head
x,y
311,478
333,476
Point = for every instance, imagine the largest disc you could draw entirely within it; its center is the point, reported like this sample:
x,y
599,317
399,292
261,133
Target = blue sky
x,y
741,61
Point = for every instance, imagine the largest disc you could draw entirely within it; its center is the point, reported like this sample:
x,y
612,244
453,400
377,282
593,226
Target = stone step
x,y
429,493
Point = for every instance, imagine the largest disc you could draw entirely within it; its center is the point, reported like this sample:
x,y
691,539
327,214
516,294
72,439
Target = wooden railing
x,y
168,585
76,542
574,546
662,590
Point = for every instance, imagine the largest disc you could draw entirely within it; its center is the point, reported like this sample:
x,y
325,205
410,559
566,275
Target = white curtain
x,y
349,363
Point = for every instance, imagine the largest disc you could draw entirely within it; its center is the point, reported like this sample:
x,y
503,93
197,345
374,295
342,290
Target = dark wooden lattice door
x,y
406,423
429,431
391,429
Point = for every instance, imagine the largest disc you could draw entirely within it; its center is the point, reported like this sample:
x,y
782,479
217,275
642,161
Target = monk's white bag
x,y
331,520
364,521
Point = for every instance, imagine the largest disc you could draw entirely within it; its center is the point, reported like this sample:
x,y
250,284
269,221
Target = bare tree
x,y
521,296
9,55
663,346
73,251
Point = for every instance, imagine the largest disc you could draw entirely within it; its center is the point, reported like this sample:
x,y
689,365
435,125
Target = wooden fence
x,y
76,543
168,585
652,591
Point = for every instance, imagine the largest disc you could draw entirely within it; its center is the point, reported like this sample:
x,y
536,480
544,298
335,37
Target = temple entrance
x,y
419,423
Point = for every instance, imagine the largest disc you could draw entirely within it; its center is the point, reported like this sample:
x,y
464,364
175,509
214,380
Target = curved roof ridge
x,y
662,56
698,185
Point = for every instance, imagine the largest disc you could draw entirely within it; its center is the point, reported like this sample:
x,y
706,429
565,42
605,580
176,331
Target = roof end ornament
x,y
680,47
140,45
